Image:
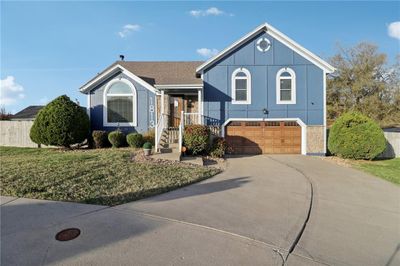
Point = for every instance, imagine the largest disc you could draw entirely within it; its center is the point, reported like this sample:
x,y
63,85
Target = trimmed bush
x,y
219,147
100,139
150,136
147,146
135,140
116,138
196,138
60,123
356,136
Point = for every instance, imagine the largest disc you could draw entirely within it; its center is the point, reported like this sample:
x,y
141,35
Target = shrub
x,y
135,140
196,138
100,139
147,146
356,136
60,123
150,136
219,147
116,138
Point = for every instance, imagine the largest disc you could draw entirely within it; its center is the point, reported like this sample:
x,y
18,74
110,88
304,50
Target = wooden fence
x,y
16,133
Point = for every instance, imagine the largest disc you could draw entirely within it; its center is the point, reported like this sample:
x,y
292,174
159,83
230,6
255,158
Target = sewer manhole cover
x,y
68,234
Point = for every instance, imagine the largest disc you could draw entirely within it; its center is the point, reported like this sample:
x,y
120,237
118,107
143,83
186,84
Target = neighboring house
x,y
29,113
265,93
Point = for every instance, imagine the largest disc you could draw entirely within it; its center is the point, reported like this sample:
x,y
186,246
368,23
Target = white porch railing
x,y
161,125
181,128
177,133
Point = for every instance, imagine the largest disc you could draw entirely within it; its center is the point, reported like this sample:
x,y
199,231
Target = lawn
x,y
105,176
386,169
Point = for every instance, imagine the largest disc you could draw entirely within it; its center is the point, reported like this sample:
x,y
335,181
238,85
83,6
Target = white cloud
x,y
195,13
212,11
128,29
10,91
394,30
205,52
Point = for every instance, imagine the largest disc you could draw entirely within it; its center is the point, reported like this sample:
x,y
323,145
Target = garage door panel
x,y
254,137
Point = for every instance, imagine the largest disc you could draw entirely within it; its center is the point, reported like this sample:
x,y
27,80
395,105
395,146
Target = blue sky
x,y
52,48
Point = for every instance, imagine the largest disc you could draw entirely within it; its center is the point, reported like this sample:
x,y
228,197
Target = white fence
x,y
16,133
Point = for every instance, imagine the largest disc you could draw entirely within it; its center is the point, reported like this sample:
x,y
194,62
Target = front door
x,y
175,107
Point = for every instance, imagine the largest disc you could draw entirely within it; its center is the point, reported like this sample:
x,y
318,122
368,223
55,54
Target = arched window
x,y
241,86
286,86
120,103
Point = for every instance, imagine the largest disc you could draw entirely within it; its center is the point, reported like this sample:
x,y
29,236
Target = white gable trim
x,y
115,69
278,36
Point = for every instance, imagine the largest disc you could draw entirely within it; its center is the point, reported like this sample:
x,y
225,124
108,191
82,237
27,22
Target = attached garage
x,y
257,137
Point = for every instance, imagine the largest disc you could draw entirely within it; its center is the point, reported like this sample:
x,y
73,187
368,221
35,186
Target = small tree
x,y
356,136
60,123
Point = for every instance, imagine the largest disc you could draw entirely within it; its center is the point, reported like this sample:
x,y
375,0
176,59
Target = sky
x,y
51,48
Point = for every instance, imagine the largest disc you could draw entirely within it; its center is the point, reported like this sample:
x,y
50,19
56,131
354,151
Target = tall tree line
x,y
364,82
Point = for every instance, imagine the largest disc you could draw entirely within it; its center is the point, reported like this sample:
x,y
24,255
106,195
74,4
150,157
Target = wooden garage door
x,y
264,137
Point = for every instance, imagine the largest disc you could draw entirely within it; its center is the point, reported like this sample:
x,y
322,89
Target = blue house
x,y
264,93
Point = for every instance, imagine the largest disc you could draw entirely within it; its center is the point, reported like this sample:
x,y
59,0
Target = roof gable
x,y
279,36
29,113
150,74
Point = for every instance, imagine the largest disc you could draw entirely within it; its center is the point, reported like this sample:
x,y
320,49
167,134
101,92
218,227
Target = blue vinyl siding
x,y
263,68
145,98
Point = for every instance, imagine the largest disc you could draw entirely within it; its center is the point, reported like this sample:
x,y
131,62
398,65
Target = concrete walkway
x,y
254,213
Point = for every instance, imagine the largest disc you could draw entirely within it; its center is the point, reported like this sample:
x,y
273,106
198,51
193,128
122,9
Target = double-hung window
x,y
286,86
241,86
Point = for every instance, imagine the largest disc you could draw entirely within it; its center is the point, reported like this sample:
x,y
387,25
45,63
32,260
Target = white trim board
x,y
298,120
325,113
278,36
114,70
88,104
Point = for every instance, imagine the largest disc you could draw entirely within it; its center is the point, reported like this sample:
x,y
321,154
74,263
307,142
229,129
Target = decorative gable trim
x,y
278,36
114,70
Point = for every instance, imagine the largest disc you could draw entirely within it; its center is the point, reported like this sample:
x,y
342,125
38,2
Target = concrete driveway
x,y
263,210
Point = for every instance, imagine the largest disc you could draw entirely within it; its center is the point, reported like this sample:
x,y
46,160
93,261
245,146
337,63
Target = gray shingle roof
x,y
160,72
29,113
164,73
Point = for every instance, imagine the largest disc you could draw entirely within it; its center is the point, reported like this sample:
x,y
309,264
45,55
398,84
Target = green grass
x,y
386,169
106,176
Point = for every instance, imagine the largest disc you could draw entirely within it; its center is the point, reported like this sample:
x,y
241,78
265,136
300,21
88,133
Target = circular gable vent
x,y
263,44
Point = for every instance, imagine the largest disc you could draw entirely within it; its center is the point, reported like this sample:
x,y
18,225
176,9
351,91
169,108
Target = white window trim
x,y
134,109
248,84
278,85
